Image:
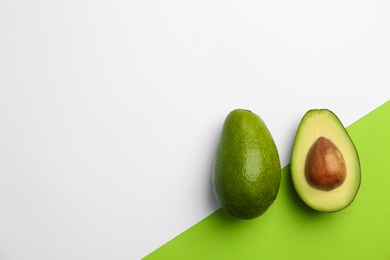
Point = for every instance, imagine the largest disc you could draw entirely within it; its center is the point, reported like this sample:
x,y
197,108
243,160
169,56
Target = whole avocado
x,y
246,175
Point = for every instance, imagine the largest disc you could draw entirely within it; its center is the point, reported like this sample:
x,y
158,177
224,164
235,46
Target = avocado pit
x,y
325,165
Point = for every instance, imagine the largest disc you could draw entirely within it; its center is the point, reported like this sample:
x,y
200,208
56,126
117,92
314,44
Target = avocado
x,y
325,167
246,174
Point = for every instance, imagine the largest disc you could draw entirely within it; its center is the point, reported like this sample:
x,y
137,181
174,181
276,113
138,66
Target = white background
x,y
110,111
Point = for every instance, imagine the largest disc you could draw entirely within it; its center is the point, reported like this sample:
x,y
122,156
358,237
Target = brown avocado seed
x,y
325,166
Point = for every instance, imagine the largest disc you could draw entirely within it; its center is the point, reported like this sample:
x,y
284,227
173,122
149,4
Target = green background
x,y
291,230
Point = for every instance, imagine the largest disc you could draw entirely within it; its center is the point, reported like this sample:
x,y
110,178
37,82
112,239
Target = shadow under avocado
x,y
292,198
292,194
222,224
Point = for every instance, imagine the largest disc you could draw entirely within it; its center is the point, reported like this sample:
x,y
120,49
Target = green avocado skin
x,y
246,174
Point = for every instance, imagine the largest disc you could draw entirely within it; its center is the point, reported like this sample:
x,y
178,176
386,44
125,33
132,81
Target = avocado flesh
x,y
246,175
315,125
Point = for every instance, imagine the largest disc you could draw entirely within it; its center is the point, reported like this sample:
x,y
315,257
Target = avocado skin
x,y
247,173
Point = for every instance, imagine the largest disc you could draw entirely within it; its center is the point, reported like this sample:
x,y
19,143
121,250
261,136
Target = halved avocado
x,y
325,165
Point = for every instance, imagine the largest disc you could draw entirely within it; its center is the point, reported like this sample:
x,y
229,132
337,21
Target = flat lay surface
x,y
290,229
111,112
